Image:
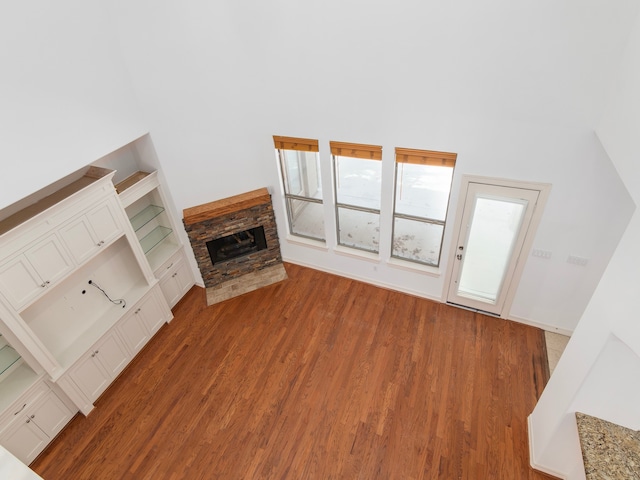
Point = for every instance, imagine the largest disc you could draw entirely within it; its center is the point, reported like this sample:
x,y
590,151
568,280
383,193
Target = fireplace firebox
x,y
237,245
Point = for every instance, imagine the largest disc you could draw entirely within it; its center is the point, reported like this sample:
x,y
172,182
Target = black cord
x,y
117,301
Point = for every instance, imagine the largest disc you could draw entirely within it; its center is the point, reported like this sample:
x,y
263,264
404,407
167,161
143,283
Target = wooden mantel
x,y
225,206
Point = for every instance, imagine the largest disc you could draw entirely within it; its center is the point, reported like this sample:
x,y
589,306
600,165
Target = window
x,y
357,170
300,168
423,183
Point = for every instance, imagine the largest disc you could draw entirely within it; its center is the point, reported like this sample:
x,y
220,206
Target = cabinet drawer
x,y
23,404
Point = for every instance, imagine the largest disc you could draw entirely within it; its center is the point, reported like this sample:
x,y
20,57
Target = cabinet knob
x,y
43,284
28,420
137,311
32,416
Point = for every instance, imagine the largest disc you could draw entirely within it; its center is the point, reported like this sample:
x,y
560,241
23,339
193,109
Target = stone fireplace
x,y
235,242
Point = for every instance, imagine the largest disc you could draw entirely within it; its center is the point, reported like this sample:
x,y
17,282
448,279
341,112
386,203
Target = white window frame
x,y
424,157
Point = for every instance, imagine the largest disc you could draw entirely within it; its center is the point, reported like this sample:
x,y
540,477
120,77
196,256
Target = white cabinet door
x,y
134,332
24,440
94,373
50,414
50,260
89,233
176,282
26,276
79,239
90,377
152,314
112,354
105,222
141,323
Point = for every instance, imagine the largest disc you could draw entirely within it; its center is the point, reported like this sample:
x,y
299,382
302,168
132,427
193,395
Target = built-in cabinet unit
x,y
78,299
33,420
175,277
147,209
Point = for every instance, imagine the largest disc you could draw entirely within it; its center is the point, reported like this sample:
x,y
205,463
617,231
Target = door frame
x,y
544,190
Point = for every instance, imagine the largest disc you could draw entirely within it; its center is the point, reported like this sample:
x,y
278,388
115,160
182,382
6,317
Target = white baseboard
x,y
377,283
532,456
543,326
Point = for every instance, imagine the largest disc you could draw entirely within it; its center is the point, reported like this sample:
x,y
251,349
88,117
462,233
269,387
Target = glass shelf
x,y
8,357
145,216
154,238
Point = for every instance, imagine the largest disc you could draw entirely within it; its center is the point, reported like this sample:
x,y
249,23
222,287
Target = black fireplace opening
x,y
237,245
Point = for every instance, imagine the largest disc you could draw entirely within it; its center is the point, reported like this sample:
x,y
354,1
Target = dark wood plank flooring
x,y
317,377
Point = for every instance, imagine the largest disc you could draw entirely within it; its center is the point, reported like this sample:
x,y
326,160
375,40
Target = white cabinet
x,y
146,206
143,321
36,420
105,306
87,234
152,313
175,280
94,372
25,440
134,332
27,275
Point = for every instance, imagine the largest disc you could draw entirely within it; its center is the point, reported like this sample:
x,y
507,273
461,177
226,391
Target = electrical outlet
x,y
541,253
575,260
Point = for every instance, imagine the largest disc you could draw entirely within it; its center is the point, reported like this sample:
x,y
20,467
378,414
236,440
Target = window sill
x,y
414,267
355,253
307,242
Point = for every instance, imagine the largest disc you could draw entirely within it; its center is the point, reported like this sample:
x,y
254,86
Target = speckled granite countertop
x,y
609,451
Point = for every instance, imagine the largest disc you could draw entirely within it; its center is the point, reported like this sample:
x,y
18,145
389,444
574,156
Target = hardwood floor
x,y
317,377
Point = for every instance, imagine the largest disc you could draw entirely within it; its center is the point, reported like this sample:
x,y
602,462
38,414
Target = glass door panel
x,y
495,221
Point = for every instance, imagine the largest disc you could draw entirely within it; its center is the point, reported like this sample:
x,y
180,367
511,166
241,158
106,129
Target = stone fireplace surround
x,y
225,217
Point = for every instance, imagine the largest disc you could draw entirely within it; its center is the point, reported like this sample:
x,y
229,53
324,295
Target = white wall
x,y
514,89
66,96
598,372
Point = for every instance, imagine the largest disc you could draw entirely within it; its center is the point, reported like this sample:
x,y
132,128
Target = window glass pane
x,y
358,182
359,229
307,218
302,173
417,241
423,190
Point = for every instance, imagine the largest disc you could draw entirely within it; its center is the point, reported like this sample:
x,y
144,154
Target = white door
x,y
496,220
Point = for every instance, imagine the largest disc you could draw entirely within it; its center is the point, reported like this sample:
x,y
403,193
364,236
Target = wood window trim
x,y
426,157
293,143
356,150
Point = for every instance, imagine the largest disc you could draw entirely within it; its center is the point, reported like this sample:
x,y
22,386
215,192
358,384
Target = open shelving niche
x,y
15,375
145,206
78,313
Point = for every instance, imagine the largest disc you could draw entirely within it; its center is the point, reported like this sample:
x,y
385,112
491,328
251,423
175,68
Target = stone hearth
x,y
228,217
